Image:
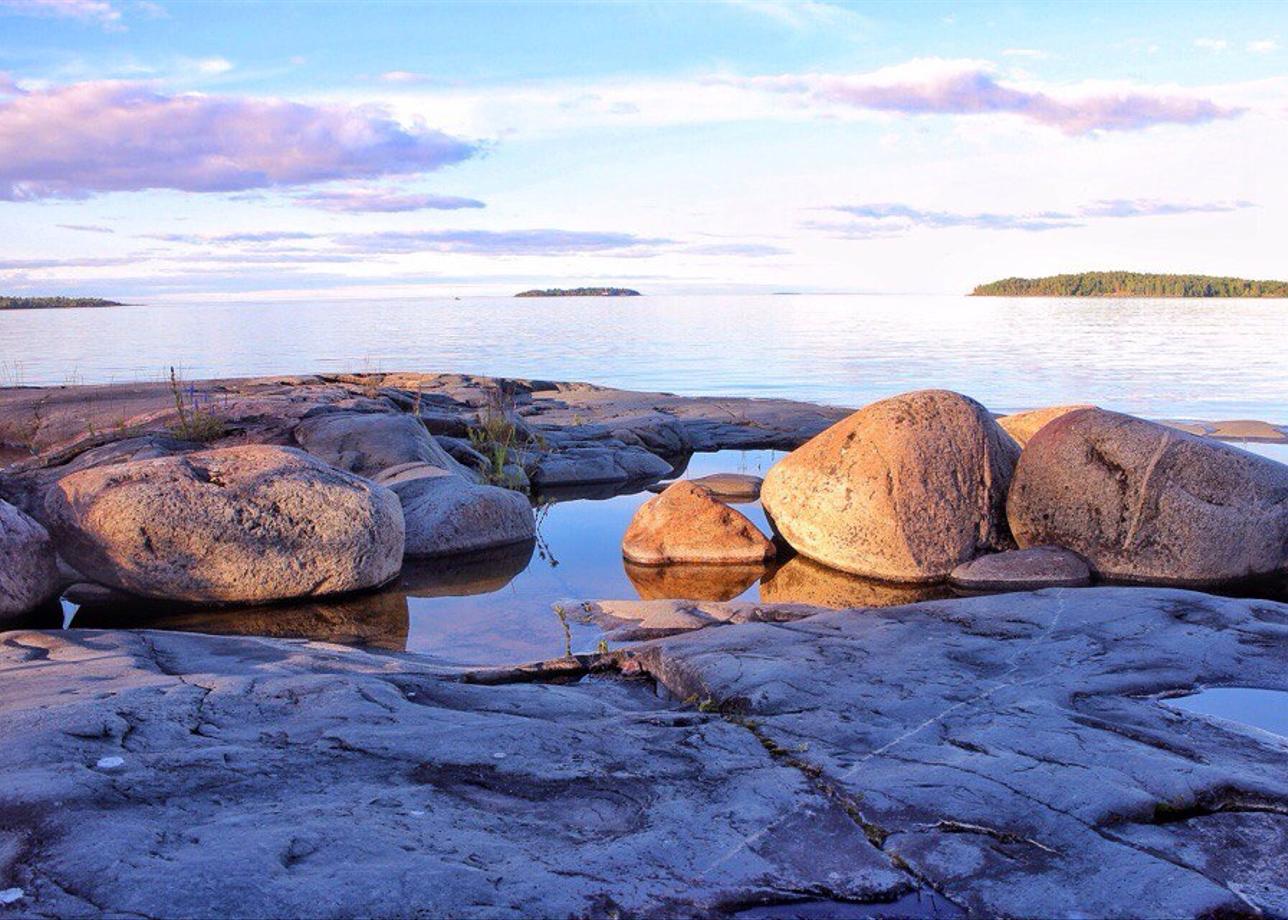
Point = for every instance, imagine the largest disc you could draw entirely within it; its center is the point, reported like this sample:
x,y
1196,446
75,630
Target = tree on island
x,y
1131,284
53,303
581,292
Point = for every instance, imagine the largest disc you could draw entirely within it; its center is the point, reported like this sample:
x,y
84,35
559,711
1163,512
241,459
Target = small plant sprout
x,y
195,423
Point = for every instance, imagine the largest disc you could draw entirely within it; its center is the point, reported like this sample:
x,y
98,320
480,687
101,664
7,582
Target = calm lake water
x,y
1159,358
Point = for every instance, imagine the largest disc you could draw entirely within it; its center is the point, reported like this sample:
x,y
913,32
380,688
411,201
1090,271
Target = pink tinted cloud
x,y
376,200
975,90
76,140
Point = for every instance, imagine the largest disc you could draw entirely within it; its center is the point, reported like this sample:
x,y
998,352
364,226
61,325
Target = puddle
x,y
1266,710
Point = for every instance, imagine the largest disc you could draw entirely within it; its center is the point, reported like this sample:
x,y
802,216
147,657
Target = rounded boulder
x,y
28,567
903,490
247,525
686,524
1144,502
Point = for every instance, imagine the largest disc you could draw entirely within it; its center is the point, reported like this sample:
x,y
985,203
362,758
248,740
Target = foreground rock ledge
x,y
1015,752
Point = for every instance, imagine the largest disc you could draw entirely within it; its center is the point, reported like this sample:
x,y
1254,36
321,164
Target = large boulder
x,y
904,490
685,524
1145,502
447,515
28,570
368,442
1023,570
236,525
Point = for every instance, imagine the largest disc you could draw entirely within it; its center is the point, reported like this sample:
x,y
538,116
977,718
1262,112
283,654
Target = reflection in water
x,y
691,581
465,575
804,581
1263,709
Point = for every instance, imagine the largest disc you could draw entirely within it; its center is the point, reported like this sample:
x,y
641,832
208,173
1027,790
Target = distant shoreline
x,y
54,303
1132,284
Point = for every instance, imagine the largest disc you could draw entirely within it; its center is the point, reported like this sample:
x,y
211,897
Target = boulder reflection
x,y
803,581
691,581
374,619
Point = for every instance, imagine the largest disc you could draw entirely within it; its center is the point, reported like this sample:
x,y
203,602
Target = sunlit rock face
x,y
367,443
1022,426
686,524
733,488
28,573
1145,502
233,525
904,490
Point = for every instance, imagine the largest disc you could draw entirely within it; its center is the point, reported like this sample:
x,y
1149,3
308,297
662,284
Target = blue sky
x,y
154,149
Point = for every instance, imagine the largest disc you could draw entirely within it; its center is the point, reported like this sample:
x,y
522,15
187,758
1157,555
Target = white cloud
x,y
1263,46
1212,44
213,66
100,12
801,15
1032,54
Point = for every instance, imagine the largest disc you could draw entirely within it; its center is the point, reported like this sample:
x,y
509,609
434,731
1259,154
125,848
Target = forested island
x,y
581,292
1131,284
53,303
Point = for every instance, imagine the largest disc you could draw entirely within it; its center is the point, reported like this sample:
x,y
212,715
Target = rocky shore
x,y
1011,754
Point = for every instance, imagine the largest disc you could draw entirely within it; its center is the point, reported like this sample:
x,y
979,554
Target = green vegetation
x,y
496,437
1131,284
581,292
53,303
195,423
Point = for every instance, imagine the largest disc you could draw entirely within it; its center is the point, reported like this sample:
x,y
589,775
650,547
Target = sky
x,y
235,150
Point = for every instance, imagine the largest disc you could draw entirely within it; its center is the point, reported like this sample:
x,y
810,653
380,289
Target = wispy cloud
x,y
376,200
752,250
1263,46
497,242
1212,44
76,140
800,15
972,88
229,239
87,228
97,12
892,219
1031,54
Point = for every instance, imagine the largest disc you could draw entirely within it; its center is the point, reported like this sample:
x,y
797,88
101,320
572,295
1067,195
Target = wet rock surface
x,y
903,490
727,487
1142,501
235,525
1005,755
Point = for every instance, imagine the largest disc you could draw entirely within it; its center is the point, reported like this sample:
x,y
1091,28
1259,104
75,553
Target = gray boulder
x,y
235,525
583,465
445,515
905,489
366,443
1145,502
28,568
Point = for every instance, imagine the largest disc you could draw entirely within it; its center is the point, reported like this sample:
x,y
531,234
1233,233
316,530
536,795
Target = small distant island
x,y
53,303
1131,284
581,292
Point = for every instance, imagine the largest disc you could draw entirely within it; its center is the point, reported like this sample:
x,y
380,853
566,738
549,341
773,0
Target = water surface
x,y
1213,359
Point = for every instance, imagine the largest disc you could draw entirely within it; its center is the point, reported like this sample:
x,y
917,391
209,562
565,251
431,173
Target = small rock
x,y
686,524
406,472
582,465
110,763
1024,425
1023,570
445,515
11,895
